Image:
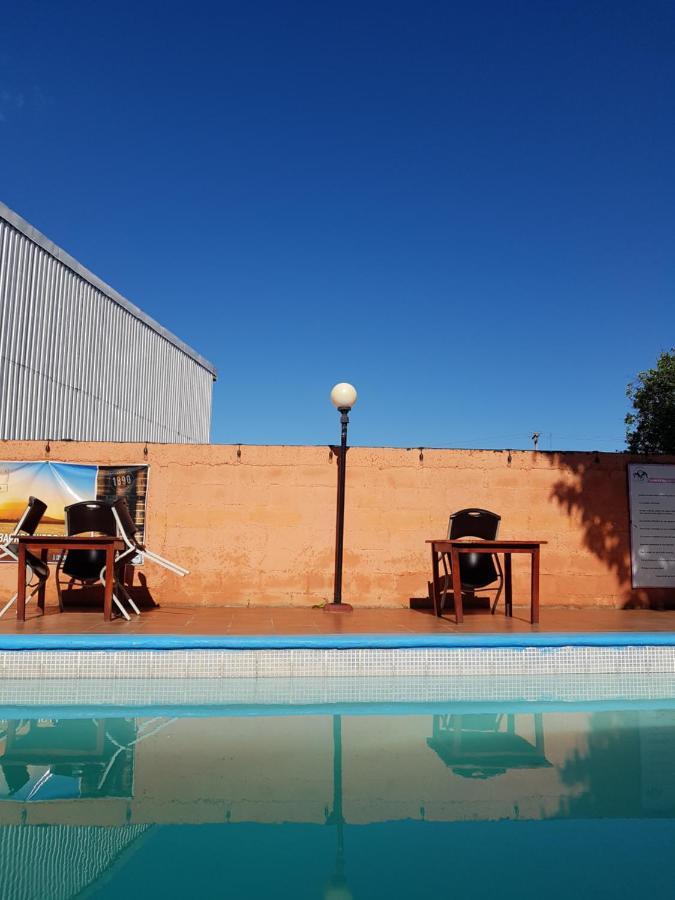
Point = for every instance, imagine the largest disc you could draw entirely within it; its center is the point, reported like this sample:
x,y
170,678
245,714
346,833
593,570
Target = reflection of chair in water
x,y
482,746
148,728
51,759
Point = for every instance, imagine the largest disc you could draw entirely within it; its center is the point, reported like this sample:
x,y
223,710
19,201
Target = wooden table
x,y
40,545
463,545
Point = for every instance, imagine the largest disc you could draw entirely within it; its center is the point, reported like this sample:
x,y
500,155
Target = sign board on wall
x,y
60,484
651,490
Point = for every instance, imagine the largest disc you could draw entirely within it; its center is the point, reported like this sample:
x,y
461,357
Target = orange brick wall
x,y
256,525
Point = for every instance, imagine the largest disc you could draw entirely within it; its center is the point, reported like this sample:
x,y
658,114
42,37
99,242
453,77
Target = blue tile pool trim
x,y
333,641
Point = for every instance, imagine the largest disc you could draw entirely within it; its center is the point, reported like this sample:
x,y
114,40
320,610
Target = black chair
x,y
477,571
35,567
87,567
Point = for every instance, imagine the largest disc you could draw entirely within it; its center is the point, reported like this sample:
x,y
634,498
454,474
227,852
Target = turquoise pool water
x,y
508,801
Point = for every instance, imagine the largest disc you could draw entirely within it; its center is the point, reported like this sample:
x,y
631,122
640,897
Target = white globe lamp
x,y
343,395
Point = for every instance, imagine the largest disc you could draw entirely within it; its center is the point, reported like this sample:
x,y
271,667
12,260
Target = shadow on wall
x,y
593,488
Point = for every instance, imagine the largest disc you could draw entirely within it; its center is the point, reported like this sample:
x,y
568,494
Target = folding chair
x,y
87,567
126,529
27,524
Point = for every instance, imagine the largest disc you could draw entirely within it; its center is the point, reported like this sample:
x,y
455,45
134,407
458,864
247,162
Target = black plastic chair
x,y
87,567
35,567
477,571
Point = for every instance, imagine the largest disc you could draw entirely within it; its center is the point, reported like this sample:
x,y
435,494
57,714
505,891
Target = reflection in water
x,y
174,802
337,888
627,767
482,746
58,759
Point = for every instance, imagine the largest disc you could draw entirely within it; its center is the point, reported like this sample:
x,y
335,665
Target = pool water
x,y
502,802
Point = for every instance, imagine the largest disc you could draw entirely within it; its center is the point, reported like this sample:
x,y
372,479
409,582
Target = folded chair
x,y
126,529
477,570
35,568
87,567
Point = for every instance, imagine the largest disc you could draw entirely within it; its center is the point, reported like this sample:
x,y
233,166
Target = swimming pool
x,y
359,787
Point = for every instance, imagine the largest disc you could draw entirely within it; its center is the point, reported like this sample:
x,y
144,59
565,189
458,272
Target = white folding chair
x,y
127,531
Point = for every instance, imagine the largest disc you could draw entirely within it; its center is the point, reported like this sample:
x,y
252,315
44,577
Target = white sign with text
x,y
651,490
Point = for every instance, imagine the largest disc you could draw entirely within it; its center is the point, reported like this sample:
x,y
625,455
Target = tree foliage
x,y
651,424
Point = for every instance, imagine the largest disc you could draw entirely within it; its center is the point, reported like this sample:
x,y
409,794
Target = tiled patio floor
x,y
305,621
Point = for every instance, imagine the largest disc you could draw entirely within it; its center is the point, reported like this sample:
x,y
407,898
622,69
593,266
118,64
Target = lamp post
x,y
343,397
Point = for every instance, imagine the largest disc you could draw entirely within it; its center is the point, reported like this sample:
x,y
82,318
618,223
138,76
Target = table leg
x,y
44,556
107,596
21,586
435,575
508,585
534,588
456,585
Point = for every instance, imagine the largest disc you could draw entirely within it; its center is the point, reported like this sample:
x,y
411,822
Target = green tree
x,y
651,425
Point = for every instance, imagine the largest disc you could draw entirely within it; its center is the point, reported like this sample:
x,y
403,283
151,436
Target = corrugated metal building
x,y
80,362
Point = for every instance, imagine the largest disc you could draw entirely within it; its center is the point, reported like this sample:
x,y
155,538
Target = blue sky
x,y
466,209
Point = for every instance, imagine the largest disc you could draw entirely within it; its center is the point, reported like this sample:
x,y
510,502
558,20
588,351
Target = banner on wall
x,y
651,490
60,484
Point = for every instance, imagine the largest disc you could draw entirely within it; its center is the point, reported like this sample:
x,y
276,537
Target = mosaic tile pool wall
x,y
423,662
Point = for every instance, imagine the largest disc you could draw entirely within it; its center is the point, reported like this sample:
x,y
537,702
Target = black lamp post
x,y
343,397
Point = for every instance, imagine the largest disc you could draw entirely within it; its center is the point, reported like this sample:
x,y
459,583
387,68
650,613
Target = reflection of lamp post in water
x,y
337,888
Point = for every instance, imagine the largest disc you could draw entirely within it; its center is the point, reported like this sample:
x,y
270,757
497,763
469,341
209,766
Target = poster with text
x,y
59,484
651,490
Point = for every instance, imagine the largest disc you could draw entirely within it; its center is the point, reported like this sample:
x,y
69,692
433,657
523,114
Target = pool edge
x,y
384,641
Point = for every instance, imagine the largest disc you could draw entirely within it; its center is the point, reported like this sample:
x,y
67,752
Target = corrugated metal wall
x,y
74,364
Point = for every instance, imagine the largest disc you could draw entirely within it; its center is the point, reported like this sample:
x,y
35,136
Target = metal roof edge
x,y
32,233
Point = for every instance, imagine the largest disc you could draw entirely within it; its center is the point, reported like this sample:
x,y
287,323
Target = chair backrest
x,y
83,517
28,522
477,570
121,507
90,515
31,517
475,523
